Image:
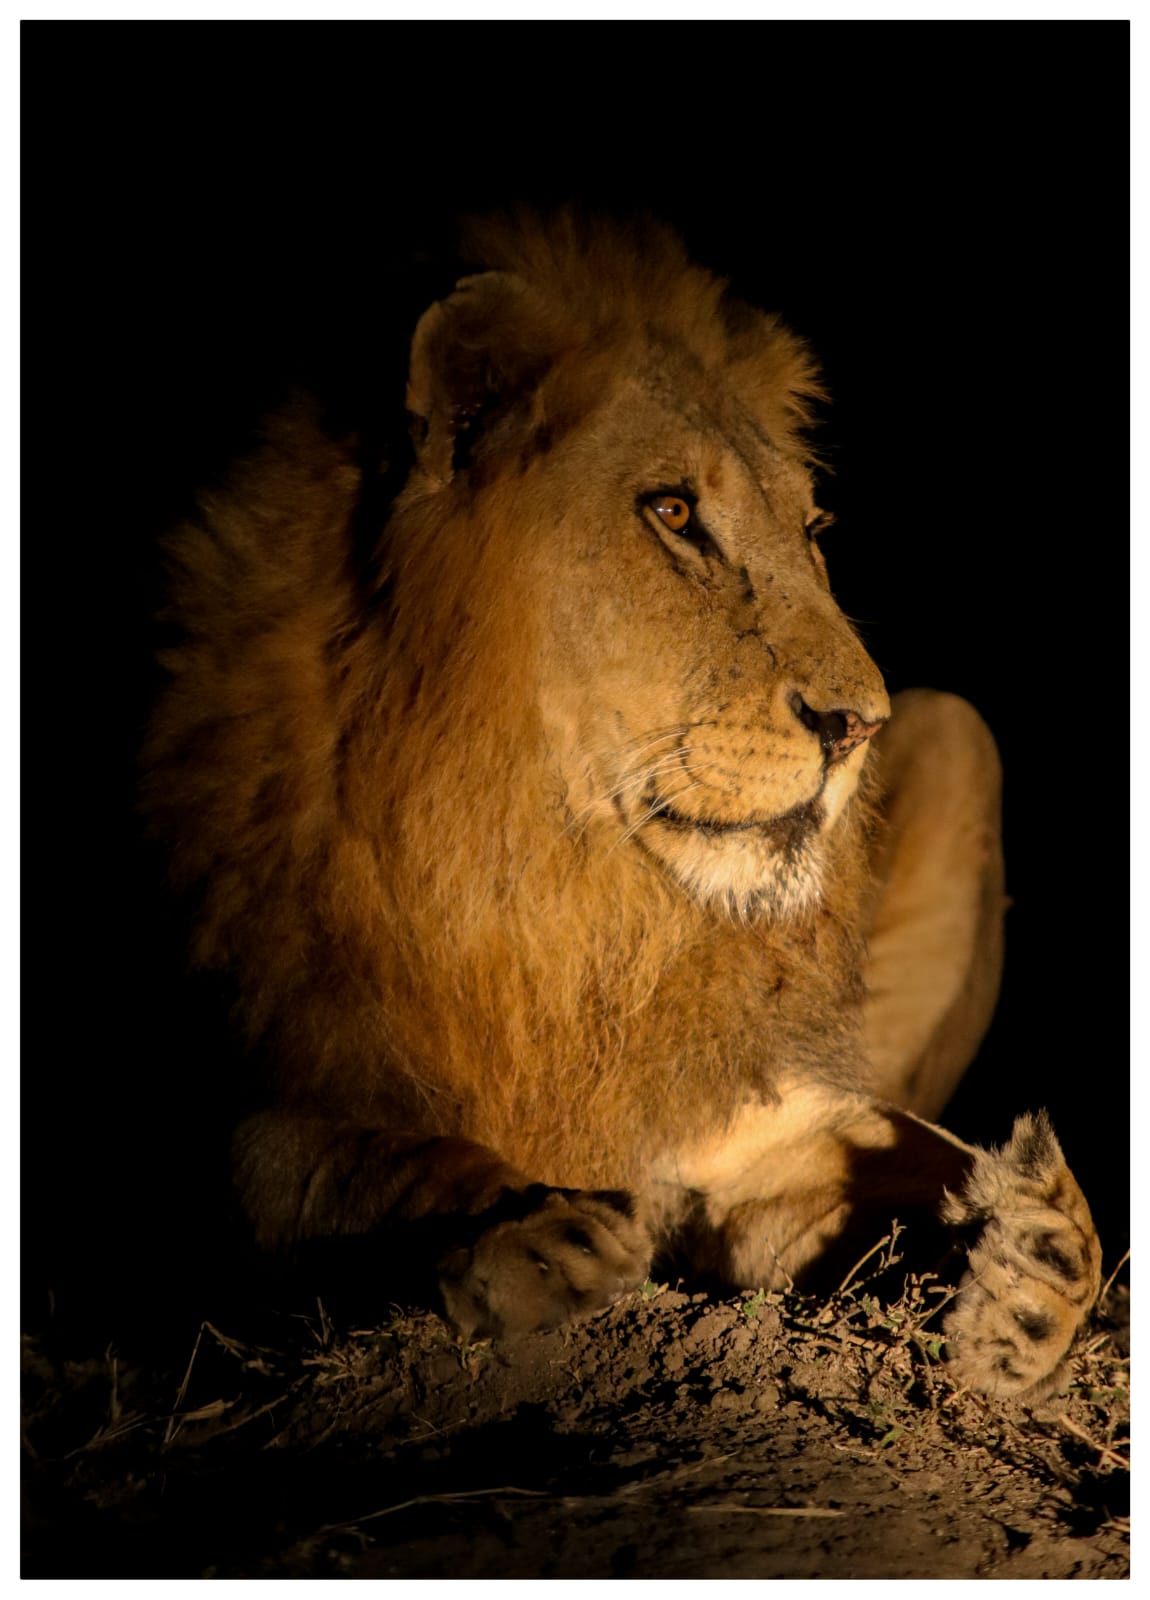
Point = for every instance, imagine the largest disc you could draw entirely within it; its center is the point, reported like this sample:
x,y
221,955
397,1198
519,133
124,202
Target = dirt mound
x,y
674,1436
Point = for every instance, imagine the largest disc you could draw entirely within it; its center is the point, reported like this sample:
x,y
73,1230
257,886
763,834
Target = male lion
x,y
583,894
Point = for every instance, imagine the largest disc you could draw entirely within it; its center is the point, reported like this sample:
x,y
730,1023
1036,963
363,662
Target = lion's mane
x,y
349,769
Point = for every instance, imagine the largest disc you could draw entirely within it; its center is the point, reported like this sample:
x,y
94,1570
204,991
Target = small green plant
x,y
754,1303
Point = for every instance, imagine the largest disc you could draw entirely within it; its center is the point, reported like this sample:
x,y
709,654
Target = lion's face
x,y
633,478
705,698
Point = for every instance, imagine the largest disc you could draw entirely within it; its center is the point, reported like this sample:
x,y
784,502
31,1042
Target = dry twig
x,y
1106,1452
1113,1275
771,1511
175,1419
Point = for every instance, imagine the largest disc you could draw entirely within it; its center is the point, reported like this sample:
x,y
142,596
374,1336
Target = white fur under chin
x,y
746,873
742,876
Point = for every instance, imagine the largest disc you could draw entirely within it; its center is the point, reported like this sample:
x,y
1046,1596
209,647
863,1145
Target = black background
x,y
211,210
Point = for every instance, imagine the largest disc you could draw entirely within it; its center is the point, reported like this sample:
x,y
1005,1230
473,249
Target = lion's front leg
x,y
547,1257
797,1194
443,1217
1034,1268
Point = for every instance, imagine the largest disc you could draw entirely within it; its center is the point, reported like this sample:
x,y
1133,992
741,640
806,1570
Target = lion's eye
x,y
672,511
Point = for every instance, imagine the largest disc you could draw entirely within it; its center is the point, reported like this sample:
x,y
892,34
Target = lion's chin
x,y
751,871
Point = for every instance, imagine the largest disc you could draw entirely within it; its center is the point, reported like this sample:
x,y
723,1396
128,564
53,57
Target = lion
x,y
587,900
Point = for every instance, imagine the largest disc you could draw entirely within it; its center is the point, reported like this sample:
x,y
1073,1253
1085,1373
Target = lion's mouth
x,y
789,829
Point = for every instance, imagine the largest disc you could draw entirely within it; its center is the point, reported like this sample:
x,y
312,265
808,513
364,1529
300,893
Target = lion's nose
x,y
839,732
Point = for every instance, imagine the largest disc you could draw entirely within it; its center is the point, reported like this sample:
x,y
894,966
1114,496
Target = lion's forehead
x,y
702,434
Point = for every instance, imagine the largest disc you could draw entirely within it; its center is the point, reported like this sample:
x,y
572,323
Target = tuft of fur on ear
x,y
475,358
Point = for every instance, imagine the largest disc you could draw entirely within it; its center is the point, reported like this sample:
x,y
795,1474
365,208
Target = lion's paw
x,y
1034,1271
570,1252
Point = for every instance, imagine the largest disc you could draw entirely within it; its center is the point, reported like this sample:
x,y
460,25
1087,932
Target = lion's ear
x,y
476,359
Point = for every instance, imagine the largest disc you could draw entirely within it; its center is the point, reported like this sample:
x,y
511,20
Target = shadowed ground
x,y
674,1436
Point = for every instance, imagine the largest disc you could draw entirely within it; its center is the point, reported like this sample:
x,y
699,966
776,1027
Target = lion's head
x,y
620,441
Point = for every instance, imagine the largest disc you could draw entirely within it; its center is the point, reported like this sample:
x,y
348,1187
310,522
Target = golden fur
x,y
532,832
388,840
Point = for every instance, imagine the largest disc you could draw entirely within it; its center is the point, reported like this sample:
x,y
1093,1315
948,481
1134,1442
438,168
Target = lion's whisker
x,y
671,729
652,811
633,779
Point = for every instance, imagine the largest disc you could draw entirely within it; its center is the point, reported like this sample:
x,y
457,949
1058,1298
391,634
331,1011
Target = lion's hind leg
x,y
935,933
